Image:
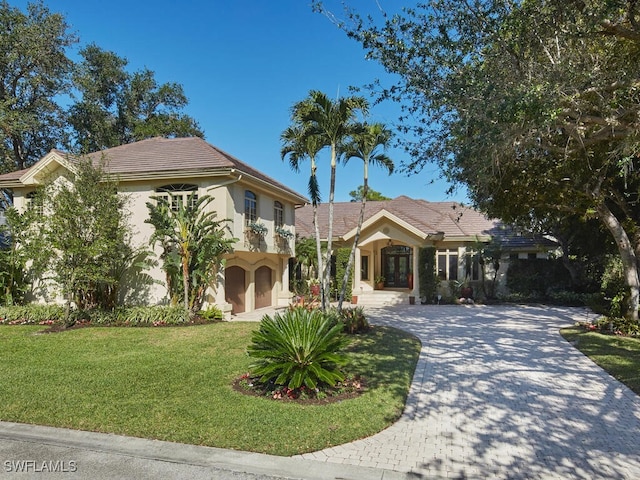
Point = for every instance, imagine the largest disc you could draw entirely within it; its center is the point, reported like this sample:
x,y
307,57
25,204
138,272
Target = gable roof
x,y
161,158
425,218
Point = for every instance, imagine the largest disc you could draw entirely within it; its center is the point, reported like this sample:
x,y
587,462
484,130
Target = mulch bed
x,y
349,388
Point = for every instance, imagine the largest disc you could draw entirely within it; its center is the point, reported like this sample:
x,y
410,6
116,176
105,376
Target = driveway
x,y
498,393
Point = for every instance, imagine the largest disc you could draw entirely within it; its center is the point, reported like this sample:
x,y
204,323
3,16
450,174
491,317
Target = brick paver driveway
x,y
498,393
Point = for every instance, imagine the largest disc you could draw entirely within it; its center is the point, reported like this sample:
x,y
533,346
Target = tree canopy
x,y
109,105
34,70
533,105
115,107
372,195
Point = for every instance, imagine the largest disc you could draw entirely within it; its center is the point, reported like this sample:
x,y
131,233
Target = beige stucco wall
x,y
228,203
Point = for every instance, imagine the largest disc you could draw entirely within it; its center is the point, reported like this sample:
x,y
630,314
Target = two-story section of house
x,y
260,211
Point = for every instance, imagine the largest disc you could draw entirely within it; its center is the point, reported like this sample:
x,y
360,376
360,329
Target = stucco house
x,y
256,274
395,230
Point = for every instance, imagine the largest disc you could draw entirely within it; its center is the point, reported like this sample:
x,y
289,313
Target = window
x,y
532,256
177,194
250,207
278,214
34,202
364,267
448,264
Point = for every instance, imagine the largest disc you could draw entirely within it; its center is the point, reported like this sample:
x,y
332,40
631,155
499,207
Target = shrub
x,y
427,274
211,314
297,348
144,316
614,325
31,314
353,319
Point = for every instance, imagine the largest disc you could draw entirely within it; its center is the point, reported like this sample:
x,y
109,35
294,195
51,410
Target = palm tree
x,y
332,122
193,244
363,145
299,143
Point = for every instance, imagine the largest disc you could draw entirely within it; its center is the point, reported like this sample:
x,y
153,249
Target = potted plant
x,y
284,233
257,229
379,282
314,287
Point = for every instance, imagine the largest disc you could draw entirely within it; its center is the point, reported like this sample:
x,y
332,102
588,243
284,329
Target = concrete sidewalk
x,y
497,393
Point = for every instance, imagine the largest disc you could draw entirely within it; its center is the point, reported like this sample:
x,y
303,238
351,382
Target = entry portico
x,y
392,234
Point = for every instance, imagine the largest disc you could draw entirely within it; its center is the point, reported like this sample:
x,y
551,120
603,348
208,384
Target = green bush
x,y
297,348
535,278
342,259
149,316
211,314
353,319
31,314
427,274
615,325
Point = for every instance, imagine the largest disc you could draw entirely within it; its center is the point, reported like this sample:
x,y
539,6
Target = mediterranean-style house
x,y
260,210
395,230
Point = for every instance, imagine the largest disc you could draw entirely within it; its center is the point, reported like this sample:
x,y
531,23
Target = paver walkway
x,y
498,393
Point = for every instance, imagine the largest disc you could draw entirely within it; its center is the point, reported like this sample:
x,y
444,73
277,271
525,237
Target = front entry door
x,y
396,263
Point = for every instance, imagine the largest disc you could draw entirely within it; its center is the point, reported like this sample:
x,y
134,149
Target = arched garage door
x,y
263,287
234,287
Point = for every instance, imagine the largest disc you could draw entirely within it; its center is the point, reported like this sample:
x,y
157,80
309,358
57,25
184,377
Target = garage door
x,y
234,287
263,287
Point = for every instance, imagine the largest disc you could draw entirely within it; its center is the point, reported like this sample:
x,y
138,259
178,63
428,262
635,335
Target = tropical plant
x,y
14,238
299,347
363,145
299,143
331,122
192,243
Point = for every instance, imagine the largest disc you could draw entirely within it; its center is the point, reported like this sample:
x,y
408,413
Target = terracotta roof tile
x,y
168,155
429,217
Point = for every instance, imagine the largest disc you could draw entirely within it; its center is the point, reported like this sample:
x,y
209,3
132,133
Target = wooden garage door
x,y
263,287
234,288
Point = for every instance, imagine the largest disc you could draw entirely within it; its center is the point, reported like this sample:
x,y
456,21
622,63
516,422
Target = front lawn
x,y
618,355
175,384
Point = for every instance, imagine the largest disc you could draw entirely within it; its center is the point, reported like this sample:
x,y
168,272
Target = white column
x,y
357,269
416,282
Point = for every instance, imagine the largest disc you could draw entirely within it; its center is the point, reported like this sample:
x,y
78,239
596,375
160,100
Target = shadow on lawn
x,y
386,357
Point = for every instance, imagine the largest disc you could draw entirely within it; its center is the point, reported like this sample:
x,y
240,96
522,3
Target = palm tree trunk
x,y
327,274
352,255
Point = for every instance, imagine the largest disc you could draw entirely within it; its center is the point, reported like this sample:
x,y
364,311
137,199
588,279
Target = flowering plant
x,y
283,232
257,228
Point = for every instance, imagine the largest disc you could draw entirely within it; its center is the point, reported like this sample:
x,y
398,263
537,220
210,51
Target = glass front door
x,y
396,266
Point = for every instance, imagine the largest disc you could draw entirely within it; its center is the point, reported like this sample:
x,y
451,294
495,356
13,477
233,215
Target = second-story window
x,y
278,214
34,202
250,207
177,194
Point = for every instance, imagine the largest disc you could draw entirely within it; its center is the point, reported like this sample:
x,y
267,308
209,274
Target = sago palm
x,y
299,347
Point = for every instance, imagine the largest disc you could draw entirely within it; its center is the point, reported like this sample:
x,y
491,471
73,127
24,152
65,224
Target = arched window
x,y
177,194
250,207
278,214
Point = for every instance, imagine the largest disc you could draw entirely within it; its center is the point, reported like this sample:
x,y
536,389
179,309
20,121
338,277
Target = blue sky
x,y
243,64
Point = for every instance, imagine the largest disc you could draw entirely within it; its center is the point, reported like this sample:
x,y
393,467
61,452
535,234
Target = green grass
x,y
176,384
620,356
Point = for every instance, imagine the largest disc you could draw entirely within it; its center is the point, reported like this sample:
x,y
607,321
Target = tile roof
x,y
166,155
451,218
